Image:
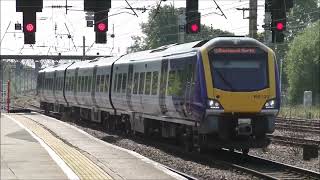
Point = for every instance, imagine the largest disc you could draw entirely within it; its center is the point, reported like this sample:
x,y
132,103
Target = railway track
x,y
269,169
249,164
293,141
298,124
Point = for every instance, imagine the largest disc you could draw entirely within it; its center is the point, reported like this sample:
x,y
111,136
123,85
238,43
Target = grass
x,y
312,112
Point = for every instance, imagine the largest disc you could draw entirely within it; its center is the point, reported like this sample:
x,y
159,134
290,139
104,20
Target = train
x,y
217,93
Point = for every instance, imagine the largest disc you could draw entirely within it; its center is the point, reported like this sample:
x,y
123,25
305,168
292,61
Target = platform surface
x,y
22,157
86,156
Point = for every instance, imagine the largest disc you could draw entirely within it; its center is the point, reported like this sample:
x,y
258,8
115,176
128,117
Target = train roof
x,y
59,67
162,51
229,41
101,61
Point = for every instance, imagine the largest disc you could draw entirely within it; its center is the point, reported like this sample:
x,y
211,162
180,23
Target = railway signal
x,y
29,27
100,9
278,9
101,27
193,22
193,17
29,8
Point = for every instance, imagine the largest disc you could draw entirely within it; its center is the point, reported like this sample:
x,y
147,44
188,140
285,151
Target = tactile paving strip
x,y
79,163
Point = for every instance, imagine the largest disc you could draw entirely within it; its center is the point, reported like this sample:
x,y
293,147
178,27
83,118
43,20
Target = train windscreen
x,y
239,69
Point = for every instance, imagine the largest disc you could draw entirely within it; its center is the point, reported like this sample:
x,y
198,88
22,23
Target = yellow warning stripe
x,y
79,163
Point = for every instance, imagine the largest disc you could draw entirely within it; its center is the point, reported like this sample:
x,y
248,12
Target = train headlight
x,y
270,104
214,104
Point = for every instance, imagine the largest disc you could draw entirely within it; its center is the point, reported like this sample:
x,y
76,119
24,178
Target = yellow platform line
x,y
79,163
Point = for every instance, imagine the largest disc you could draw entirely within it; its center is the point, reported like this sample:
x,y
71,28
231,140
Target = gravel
x,y
200,170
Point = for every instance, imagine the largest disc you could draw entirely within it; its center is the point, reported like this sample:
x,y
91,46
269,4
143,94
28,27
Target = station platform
x,y
34,146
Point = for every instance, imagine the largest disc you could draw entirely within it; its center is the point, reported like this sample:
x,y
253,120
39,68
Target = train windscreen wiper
x,y
223,79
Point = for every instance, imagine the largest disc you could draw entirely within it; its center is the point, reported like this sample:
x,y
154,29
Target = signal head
x,y
194,27
280,26
102,27
30,27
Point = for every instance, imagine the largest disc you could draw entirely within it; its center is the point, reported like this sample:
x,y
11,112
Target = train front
x,y
243,95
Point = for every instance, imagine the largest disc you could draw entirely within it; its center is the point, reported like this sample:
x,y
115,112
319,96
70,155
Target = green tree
x,y
303,64
162,29
303,13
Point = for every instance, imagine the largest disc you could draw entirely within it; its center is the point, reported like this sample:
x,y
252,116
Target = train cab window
x,y
135,83
141,83
148,83
239,71
98,83
119,83
155,76
101,83
107,83
124,83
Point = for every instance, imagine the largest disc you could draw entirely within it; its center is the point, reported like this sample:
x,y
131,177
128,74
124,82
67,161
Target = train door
x,y
163,86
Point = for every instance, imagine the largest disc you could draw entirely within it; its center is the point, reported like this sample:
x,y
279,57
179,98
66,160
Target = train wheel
x,y
245,151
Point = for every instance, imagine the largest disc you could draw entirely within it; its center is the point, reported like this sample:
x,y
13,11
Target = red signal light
x,y
30,27
194,27
280,26
102,27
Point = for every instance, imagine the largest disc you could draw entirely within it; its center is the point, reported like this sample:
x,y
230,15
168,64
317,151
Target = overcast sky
x,y
51,42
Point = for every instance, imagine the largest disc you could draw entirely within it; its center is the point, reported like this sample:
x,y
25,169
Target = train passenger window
x,y
75,83
82,84
72,83
97,83
124,83
171,81
119,82
135,82
101,84
155,76
68,84
141,83
107,83
148,83
115,82
88,83
61,83
78,83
